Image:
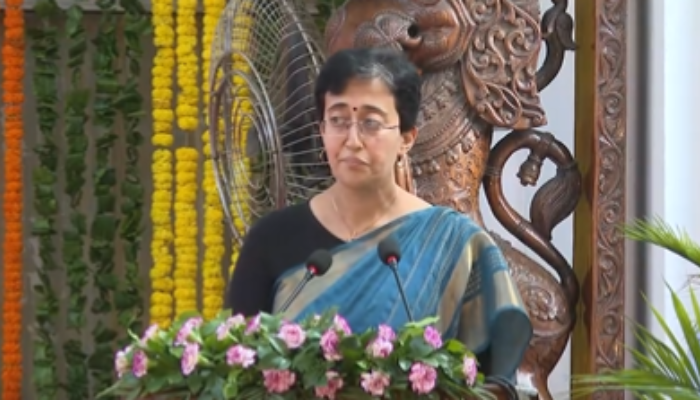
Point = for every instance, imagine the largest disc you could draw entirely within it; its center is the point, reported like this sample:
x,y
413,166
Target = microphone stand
x,y
395,271
307,277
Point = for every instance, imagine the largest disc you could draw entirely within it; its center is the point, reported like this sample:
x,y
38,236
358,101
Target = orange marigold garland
x,y
13,74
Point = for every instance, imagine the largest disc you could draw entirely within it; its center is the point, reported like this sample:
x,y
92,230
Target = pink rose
x,y
380,348
231,323
190,358
292,334
432,337
186,330
121,362
150,333
253,325
335,383
422,378
386,333
139,365
375,383
278,381
240,355
469,369
329,345
342,325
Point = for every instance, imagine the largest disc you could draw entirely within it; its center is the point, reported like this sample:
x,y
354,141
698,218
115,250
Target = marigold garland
x,y
162,139
213,283
187,160
185,274
13,99
243,23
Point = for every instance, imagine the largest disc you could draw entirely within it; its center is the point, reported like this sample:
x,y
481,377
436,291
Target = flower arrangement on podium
x,y
231,357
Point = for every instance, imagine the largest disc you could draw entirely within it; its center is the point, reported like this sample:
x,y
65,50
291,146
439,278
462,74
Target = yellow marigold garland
x,y
243,23
186,262
12,100
187,159
161,242
213,284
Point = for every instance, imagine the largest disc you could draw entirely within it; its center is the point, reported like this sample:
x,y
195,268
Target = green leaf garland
x,y
45,48
128,300
105,223
77,381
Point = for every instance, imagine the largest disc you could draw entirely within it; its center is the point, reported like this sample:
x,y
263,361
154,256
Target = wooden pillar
x,y
600,147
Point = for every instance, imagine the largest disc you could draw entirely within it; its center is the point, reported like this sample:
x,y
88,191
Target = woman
x,y
368,102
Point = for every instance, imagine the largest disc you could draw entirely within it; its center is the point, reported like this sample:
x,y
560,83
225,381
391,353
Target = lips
x,y
353,161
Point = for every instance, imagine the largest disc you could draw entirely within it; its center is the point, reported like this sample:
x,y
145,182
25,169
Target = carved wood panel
x,y
601,134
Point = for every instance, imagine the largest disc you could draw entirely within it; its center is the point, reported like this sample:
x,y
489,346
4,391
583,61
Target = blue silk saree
x,y
450,267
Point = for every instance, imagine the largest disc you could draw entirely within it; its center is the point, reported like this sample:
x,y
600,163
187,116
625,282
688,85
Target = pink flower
x,y
375,382
380,348
253,325
231,323
335,383
240,355
469,369
432,337
386,333
342,325
278,381
121,362
150,332
292,334
139,365
186,330
422,378
329,345
190,357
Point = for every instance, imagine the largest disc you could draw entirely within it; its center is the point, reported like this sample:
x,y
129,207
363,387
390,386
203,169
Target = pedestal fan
x,y
265,141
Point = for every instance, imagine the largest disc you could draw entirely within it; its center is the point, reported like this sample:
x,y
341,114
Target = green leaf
x,y
658,232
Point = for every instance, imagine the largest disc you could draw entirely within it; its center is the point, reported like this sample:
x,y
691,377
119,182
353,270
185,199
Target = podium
x,y
498,393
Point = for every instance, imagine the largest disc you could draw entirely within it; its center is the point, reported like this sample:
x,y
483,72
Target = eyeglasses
x,y
366,127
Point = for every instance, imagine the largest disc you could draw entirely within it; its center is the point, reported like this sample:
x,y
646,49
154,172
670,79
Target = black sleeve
x,y
250,289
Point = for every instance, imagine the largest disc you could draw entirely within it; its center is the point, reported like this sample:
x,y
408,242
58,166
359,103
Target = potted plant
x,y
267,357
660,370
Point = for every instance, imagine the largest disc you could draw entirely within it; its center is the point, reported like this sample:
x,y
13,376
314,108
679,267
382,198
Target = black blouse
x,y
277,242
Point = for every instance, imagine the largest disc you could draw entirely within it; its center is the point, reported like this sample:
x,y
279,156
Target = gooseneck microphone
x,y
318,263
390,254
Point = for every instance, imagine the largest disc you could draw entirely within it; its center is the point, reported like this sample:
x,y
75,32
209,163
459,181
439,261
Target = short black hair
x,y
389,65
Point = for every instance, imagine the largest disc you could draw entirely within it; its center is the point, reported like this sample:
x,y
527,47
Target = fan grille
x,y
264,135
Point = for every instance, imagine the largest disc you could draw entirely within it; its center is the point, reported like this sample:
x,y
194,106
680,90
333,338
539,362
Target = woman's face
x,y
361,134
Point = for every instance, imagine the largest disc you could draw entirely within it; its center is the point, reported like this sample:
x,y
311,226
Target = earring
x,y
322,155
403,175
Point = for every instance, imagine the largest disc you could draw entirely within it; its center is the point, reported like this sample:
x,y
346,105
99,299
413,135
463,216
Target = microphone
x,y
318,263
390,254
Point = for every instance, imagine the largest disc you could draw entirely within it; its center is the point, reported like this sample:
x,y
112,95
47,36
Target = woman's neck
x,y
363,210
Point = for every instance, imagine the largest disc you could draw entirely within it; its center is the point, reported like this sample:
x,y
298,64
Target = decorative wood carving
x,y
479,62
601,150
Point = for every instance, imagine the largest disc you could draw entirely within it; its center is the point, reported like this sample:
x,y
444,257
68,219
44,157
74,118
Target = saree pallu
x,y
450,267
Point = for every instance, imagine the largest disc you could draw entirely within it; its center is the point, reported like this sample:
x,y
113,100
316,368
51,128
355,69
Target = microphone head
x,y
389,251
319,262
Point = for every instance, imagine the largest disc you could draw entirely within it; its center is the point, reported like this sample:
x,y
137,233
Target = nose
x,y
352,140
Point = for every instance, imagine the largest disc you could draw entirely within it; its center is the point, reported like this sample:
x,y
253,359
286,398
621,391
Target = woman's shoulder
x,y
280,222
452,215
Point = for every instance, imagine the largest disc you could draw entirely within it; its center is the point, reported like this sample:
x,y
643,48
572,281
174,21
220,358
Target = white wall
x,y
674,104
558,99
